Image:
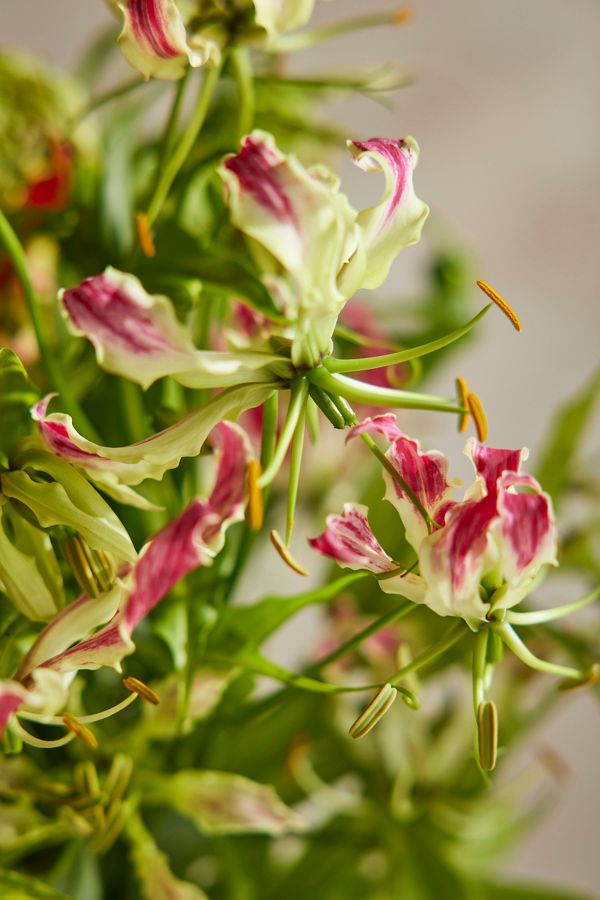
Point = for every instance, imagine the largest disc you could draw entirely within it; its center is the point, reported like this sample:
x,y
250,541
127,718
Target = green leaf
x,y
29,571
17,396
72,502
566,433
77,873
14,886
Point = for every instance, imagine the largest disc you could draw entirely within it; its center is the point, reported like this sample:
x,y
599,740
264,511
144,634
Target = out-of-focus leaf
x,y
116,204
529,892
77,873
17,396
14,886
564,438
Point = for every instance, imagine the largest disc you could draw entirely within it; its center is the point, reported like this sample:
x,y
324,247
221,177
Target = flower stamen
x,y
372,713
144,235
479,417
487,734
255,511
81,731
500,303
462,390
141,689
285,554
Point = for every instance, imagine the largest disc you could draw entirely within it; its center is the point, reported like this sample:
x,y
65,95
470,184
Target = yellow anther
x,y
255,512
81,731
403,15
285,554
487,734
479,417
500,303
141,689
94,570
376,709
588,677
463,394
144,234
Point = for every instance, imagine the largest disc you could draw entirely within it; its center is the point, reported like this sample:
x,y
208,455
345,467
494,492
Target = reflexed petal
x,y
528,534
453,559
189,541
153,39
225,803
12,696
384,424
426,474
307,225
137,335
349,540
397,220
152,457
278,16
490,463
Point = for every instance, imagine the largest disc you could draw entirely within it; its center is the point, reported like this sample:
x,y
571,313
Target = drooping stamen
x,y
298,396
479,417
589,677
294,474
141,689
500,303
285,554
371,715
255,510
462,390
487,734
522,652
81,731
33,741
144,235
84,720
118,776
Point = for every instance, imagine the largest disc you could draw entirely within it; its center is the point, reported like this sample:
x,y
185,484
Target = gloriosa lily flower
x,y
318,244
476,556
95,632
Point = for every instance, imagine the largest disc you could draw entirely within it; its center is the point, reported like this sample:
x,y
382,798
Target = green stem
x,y
183,149
541,616
173,120
362,392
294,474
113,94
479,666
269,429
453,636
364,364
50,361
298,394
242,70
522,652
348,646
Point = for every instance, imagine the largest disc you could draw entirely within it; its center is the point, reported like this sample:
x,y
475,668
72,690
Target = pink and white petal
x,y
349,540
426,474
304,222
384,424
398,219
453,559
407,585
490,463
12,697
527,529
152,457
135,334
153,39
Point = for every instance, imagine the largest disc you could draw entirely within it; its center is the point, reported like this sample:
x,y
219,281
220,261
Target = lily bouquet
x,y
190,357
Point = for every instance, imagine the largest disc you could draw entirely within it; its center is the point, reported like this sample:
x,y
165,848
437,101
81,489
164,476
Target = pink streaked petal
x,y
527,526
348,540
153,39
384,424
12,697
397,220
426,474
490,462
260,171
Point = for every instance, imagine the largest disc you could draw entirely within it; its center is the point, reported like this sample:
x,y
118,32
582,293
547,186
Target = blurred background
x,y
505,107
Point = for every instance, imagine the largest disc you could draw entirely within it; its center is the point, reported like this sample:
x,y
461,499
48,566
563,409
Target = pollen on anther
x,y
141,689
285,554
462,390
81,731
144,234
479,417
255,499
500,303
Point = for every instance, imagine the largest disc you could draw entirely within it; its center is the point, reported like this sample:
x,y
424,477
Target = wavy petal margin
x,y
153,39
